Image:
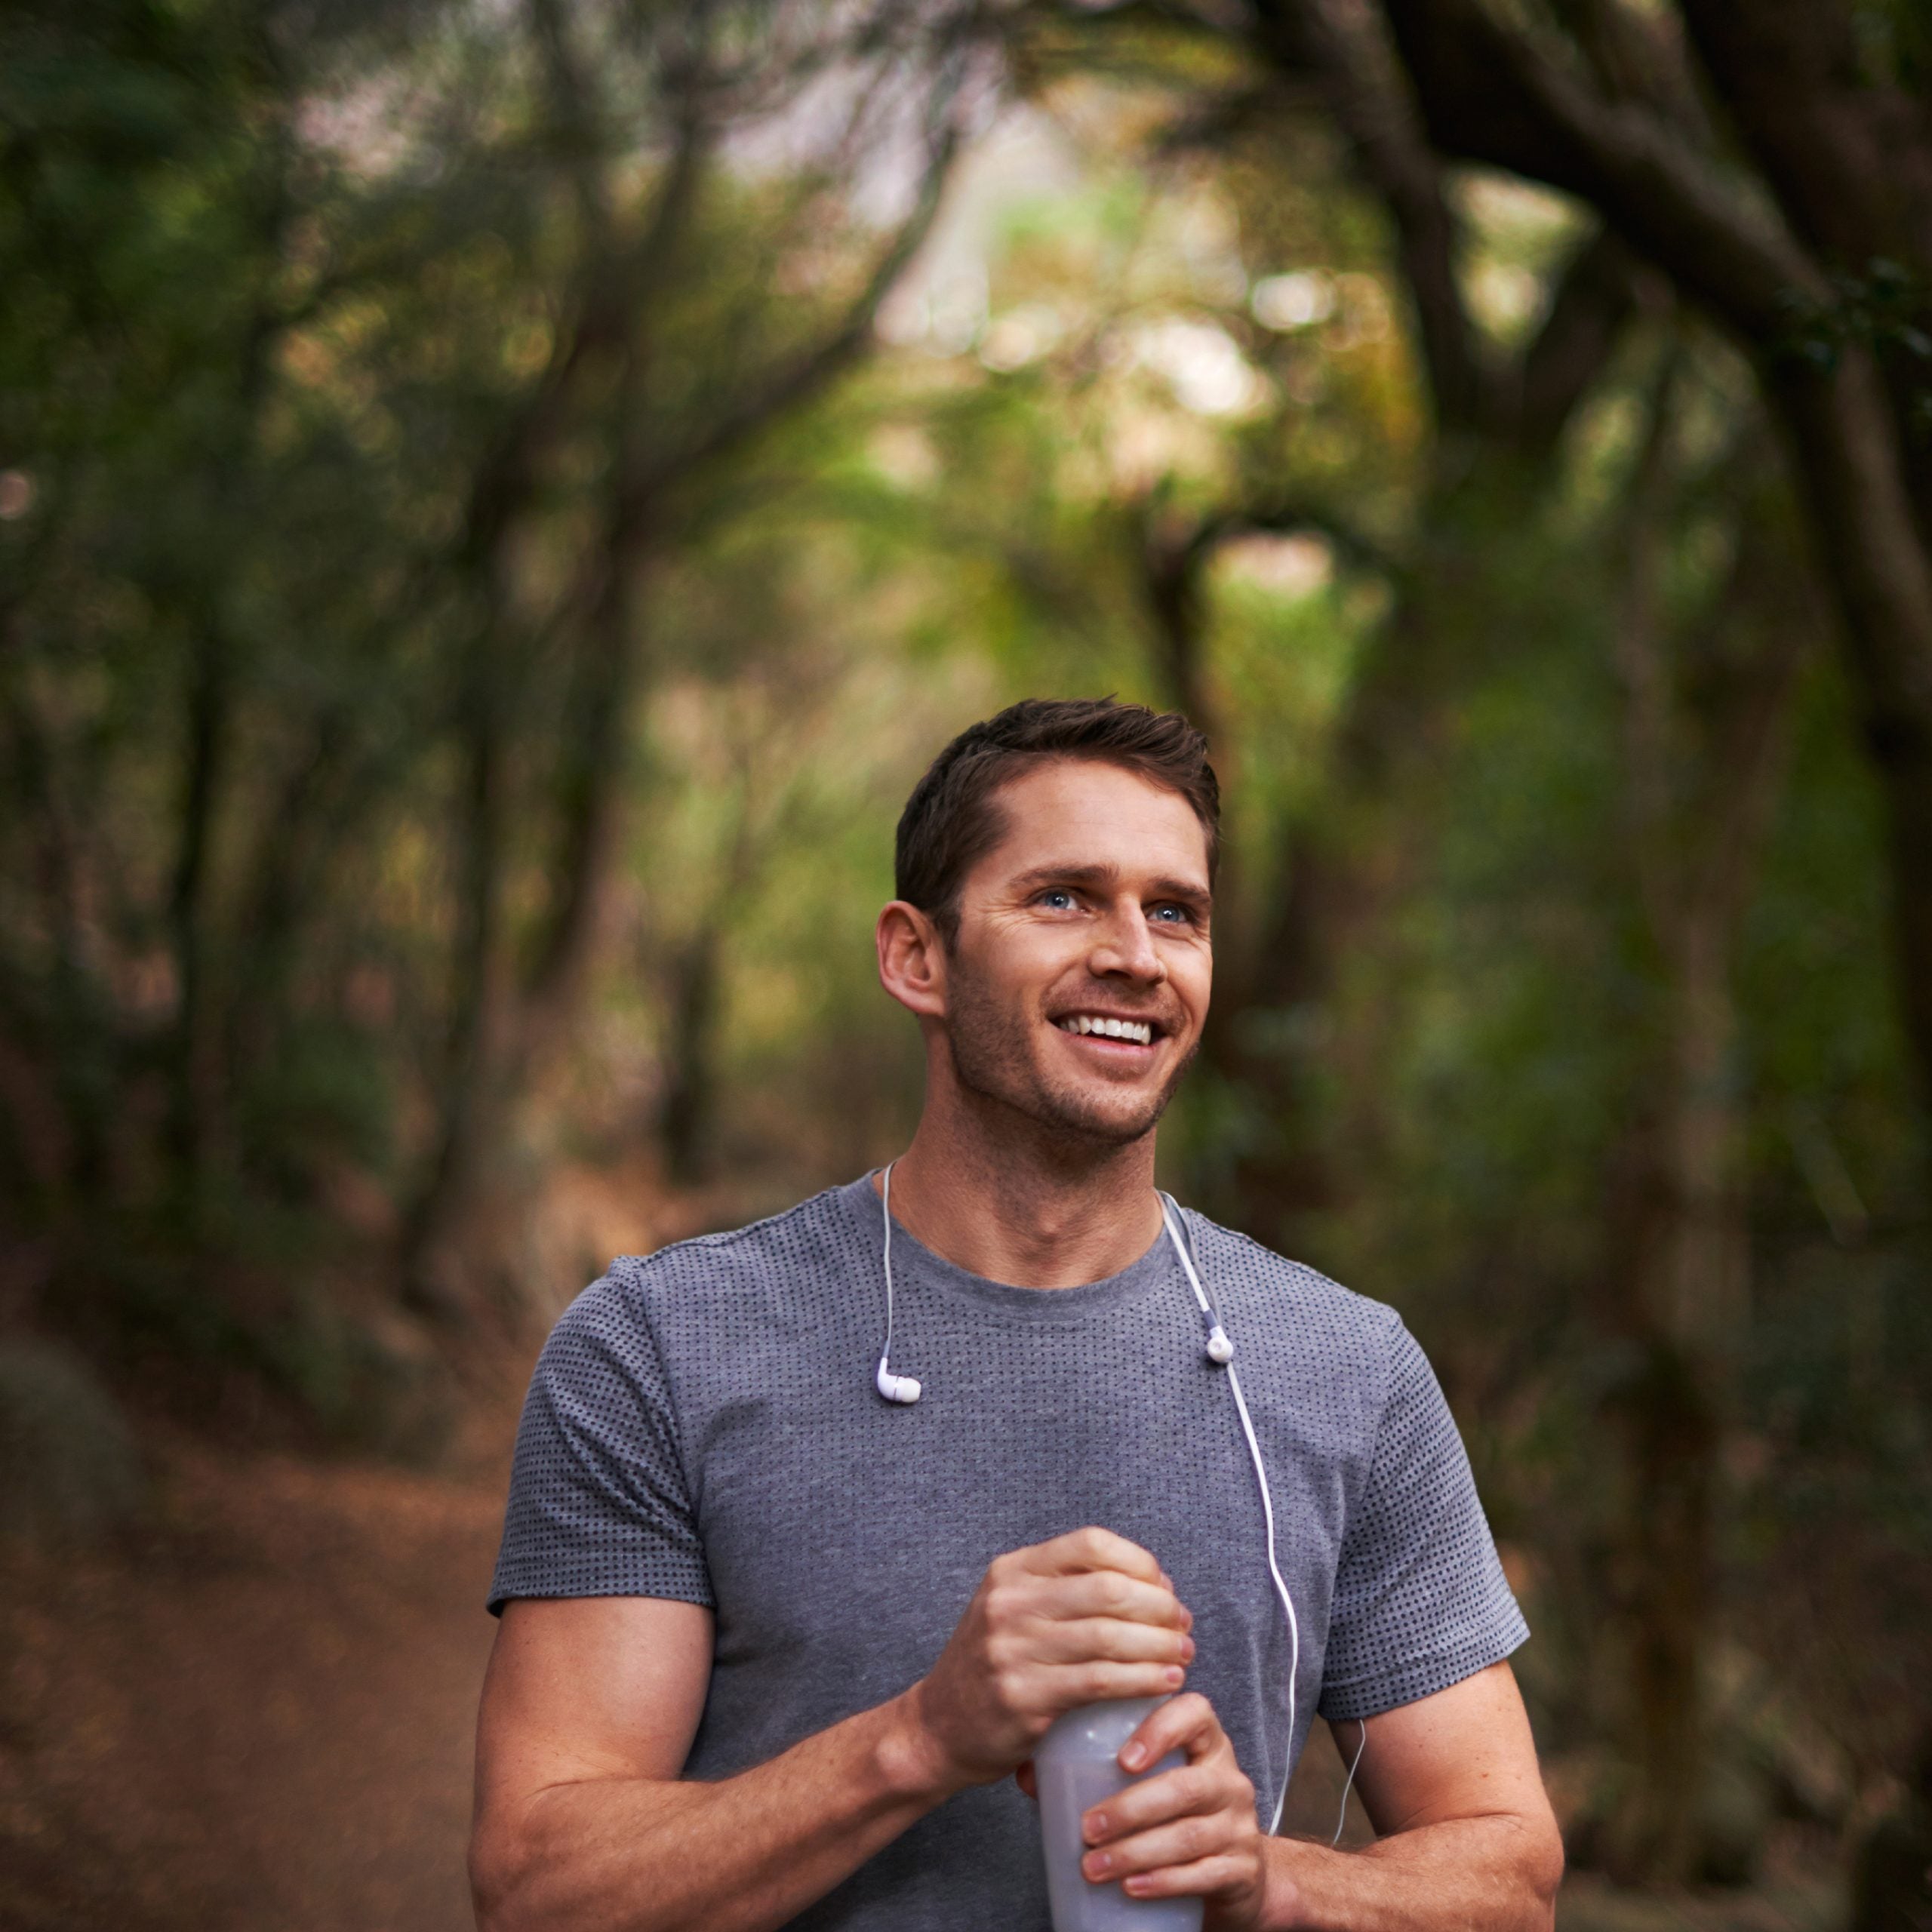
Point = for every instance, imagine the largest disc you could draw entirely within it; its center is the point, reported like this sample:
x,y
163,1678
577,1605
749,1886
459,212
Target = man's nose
x,y
1126,949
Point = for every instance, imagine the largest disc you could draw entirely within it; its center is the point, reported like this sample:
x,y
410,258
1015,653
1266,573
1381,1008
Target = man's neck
x,y
1020,1205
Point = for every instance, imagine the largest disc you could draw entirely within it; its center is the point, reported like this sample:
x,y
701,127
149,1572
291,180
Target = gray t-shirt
x,y
703,1426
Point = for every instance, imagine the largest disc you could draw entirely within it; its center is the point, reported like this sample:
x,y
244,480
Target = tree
x,y
665,390
1707,678
367,365
1469,570
1776,162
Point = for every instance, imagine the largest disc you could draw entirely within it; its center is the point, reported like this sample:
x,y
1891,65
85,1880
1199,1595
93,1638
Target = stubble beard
x,y
991,1048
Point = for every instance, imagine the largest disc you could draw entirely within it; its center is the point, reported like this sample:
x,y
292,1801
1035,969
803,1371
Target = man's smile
x,y
1137,1034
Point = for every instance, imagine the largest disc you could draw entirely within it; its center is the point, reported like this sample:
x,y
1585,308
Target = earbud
x,y
1220,1349
895,1388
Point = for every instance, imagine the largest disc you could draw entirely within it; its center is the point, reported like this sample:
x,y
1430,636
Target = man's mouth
x,y
1110,1026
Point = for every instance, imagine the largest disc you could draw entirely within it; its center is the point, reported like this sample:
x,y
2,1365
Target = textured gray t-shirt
x,y
703,1426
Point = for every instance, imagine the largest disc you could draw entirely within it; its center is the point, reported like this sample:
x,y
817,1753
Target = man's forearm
x,y
1500,1873
744,1854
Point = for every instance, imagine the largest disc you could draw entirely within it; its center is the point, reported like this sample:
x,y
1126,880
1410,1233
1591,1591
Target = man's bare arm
x,y
1467,1835
590,1706
1451,1780
588,1710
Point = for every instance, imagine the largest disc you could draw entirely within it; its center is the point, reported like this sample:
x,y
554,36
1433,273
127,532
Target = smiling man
x,y
783,1620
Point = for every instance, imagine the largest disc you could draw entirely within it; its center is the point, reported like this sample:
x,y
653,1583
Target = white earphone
x,y
893,1388
1220,1351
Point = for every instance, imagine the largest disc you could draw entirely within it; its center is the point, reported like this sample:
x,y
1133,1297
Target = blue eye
x,y
1174,915
1059,892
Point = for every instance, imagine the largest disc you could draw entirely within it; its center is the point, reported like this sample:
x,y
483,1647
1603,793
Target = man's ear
x,y
911,960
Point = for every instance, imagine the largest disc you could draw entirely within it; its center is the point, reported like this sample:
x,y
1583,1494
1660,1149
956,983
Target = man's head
x,y
1056,867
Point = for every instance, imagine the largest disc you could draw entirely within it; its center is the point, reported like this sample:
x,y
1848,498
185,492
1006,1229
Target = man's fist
x,y
1085,1617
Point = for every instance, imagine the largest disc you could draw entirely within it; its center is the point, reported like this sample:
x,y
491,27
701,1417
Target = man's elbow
x,y
501,1863
1541,1865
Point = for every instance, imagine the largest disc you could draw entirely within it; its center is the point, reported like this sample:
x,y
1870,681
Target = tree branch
x,y
1595,299
1342,43
1288,517
1172,569
1848,157
786,388
1489,94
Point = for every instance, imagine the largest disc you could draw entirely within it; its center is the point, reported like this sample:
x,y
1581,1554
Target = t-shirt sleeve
x,y
1420,1602
598,1502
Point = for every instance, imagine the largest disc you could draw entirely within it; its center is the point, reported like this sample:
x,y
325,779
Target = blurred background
x,y
499,501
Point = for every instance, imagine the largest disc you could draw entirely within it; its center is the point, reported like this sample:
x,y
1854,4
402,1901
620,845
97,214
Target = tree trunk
x,y
1845,449
478,996
1301,1072
206,727
509,1025
1702,753
1686,1290
198,1097
687,1114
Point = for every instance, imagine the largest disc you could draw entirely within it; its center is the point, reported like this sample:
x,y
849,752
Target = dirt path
x,y
260,1717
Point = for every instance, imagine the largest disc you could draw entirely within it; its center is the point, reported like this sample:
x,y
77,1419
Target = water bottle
x,y
1076,1766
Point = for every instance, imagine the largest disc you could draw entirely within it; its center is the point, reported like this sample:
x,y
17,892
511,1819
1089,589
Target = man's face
x,y
1092,912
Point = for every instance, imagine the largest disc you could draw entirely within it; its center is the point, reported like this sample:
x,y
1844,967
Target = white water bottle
x,y
1076,1766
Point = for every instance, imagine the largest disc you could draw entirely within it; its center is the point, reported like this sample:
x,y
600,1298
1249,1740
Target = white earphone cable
x,y
1280,1590
885,1202
1267,1508
1349,1783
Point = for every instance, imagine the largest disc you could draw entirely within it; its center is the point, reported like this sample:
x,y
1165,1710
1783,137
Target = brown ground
x,y
257,1718
260,1718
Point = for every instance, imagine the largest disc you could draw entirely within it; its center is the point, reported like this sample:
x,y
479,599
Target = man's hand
x,y
1188,1832
1087,1616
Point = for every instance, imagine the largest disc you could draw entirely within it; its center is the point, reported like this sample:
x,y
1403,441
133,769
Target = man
x,y
776,1650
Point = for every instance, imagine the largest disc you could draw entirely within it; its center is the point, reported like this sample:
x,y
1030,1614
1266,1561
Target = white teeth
x,y
1139,1031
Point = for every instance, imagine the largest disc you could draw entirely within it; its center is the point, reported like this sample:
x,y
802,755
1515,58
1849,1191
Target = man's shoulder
x,y
1248,1280
789,1252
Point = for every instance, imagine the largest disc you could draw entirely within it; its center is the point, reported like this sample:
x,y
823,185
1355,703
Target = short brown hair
x,y
952,821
